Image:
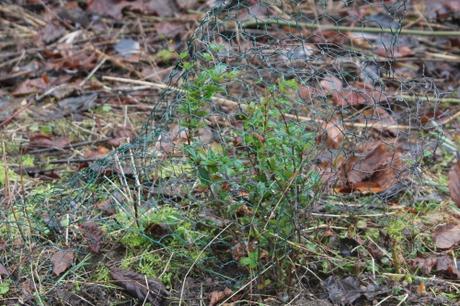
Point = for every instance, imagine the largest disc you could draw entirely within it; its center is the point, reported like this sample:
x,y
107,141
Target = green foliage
x,y
5,287
251,261
199,94
269,165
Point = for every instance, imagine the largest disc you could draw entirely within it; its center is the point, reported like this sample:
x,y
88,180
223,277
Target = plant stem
x,y
315,26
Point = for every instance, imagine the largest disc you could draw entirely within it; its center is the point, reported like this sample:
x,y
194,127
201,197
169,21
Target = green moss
x,y
102,274
165,55
5,287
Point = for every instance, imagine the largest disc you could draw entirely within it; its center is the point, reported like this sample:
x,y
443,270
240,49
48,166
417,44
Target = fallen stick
x,y
226,102
376,30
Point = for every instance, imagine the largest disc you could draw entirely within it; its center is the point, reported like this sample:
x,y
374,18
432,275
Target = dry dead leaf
x,y
447,236
358,94
441,264
62,260
3,271
139,286
373,169
421,288
31,86
331,84
454,183
334,134
93,235
398,52
217,296
38,141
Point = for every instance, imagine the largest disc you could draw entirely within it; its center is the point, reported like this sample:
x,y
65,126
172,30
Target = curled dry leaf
x,y
307,93
374,168
334,134
447,236
454,183
217,296
441,264
62,260
38,141
31,86
121,135
331,84
93,235
139,286
398,52
3,271
358,94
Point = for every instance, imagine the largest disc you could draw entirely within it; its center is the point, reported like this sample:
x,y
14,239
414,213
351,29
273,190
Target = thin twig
x,y
71,146
227,102
376,30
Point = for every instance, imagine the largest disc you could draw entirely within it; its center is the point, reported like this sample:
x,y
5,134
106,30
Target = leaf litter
x,y
80,43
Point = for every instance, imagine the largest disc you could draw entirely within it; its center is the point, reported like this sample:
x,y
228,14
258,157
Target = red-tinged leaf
x,y
398,52
38,141
447,236
307,93
140,287
121,135
62,260
217,296
358,94
93,235
31,86
100,152
454,183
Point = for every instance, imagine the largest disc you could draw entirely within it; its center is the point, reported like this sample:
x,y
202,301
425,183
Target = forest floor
x,y
82,80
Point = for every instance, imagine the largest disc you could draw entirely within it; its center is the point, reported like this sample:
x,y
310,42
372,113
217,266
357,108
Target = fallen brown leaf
x,y
216,296
454,183
31,86
441,264
374,168
38,141
447,236
140,287
358,94
62,260
332,134
93,235
398,52
331,84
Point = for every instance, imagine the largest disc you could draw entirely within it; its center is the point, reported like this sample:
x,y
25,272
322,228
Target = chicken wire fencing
x,y
278,114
